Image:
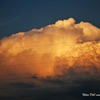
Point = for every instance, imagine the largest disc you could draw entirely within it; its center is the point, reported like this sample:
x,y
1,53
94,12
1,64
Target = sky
x,y
23,15
48,53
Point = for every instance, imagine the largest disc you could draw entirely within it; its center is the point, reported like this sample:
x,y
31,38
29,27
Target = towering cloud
x,y
52,50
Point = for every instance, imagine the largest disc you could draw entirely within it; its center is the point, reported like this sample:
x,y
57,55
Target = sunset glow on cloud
x,y
51,50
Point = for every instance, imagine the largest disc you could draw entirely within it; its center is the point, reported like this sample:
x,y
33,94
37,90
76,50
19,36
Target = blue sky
x,y
23,15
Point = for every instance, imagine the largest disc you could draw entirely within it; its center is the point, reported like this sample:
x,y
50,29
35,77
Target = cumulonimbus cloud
x,y
51,50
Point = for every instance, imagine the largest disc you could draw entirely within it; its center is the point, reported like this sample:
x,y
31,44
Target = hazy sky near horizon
x,y
23,15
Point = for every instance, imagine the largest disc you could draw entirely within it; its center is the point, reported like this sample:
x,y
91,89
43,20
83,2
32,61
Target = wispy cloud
x,y
5,23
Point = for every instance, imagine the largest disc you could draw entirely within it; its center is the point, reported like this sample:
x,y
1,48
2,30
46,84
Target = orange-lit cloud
x,y
51,50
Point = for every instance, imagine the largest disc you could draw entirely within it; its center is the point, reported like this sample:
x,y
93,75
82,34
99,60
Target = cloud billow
x,y
57,62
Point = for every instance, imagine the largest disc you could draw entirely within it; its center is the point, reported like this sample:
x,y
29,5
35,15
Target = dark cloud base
x,y
69,86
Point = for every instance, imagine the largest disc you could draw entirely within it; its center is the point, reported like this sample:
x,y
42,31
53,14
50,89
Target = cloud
x,y
22,85
68,86
52,50
2,23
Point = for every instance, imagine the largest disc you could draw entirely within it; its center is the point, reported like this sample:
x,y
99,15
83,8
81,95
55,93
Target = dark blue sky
x,y
23,15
